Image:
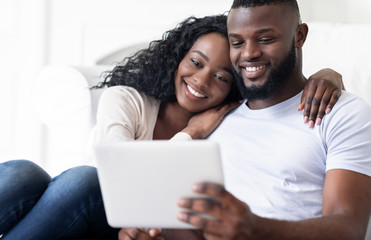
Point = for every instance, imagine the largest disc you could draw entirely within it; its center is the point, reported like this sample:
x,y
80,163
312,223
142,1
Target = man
x,y
284,180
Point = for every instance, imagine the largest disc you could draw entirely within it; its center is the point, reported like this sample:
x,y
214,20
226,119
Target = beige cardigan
x,y
125,114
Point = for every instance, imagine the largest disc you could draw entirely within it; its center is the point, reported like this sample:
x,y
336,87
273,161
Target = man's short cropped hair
x,y
291,4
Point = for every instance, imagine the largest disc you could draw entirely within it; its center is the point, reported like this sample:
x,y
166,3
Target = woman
x,y
162,92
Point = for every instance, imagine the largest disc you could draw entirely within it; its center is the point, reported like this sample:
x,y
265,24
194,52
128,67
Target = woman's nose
x,y
202,78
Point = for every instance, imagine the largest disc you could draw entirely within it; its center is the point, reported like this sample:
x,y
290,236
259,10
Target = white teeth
x,y
197,94
254,69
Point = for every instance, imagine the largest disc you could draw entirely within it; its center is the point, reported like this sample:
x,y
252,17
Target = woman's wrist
x,y
192,132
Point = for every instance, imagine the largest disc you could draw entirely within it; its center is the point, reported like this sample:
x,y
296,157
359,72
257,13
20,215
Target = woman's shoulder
x,y
122,94
121,91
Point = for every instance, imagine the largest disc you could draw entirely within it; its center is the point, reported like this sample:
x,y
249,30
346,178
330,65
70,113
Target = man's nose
x,y
251,51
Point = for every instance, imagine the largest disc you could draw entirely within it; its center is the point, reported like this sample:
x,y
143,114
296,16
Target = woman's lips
x,y
194,93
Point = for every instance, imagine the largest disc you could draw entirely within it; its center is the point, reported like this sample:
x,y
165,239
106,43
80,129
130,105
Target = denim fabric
x,y
22,183
70,208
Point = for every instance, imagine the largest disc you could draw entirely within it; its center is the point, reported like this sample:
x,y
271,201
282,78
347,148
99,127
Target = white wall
x,y
22,49
88,28
94,33
35,33
90,35
340,11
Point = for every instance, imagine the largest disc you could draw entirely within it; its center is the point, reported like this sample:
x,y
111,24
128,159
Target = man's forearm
x,y
330,227
182,234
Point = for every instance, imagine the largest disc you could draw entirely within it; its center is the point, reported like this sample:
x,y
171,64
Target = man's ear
x,y
301,35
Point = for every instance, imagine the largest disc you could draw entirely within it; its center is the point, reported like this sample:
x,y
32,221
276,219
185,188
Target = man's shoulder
x,y
350,104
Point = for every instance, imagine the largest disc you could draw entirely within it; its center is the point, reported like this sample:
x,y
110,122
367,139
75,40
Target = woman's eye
x,y
221,78
196,63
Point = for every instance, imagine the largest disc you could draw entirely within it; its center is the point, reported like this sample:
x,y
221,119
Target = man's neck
x,y
291,87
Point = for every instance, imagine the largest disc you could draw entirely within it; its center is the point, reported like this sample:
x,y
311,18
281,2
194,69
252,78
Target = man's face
x,y
262,49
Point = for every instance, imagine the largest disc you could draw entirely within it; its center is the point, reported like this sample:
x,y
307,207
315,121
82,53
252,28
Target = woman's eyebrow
x,y
228,70
201,54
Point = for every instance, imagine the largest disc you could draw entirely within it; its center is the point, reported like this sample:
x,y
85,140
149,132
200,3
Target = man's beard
x,y
275,79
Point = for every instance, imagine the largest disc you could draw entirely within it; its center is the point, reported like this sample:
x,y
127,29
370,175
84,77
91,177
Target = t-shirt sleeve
x,y
348,137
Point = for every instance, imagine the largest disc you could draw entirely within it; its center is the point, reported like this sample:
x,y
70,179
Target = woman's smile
x,y
203,78
193,93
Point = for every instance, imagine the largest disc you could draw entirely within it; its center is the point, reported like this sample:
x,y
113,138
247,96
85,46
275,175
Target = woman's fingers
x,y
210,236
320,93
316,101
134,234
313,105
154,232
226,108
334,98
321,104
307,99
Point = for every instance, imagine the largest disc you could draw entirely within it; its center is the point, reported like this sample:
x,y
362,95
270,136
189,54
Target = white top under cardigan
x,y
124,114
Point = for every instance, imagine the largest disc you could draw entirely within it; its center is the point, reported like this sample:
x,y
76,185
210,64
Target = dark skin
x,y
207,70
320,102
208,73
203,76
346,196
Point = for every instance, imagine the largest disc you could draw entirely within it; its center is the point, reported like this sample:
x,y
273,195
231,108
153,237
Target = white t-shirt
x,y
277,164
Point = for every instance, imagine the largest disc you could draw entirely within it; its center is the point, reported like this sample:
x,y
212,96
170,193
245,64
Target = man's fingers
x,y
219,193
202,205
200,222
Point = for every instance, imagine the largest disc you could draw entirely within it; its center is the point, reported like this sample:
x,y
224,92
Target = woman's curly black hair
x,y
152,70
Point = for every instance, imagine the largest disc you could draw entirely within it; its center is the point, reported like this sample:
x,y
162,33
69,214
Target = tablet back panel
x,y
141,181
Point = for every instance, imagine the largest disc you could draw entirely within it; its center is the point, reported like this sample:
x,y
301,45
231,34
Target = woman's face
x,y
204,76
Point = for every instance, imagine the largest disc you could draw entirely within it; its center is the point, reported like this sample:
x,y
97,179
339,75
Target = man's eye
x,y
196,63
265,40
236,44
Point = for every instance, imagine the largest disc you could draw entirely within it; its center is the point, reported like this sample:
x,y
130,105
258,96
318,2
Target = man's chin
x,y
256,89
254,83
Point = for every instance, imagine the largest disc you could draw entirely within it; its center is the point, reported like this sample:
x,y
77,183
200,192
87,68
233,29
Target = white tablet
x,y
141,181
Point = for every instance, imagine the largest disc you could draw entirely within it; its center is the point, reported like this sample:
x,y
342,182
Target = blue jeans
x,y
70,208
21,185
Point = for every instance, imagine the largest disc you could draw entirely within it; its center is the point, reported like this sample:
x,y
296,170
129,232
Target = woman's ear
x,y
301,35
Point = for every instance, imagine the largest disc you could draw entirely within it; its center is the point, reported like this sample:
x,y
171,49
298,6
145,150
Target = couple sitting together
x,y
284,179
